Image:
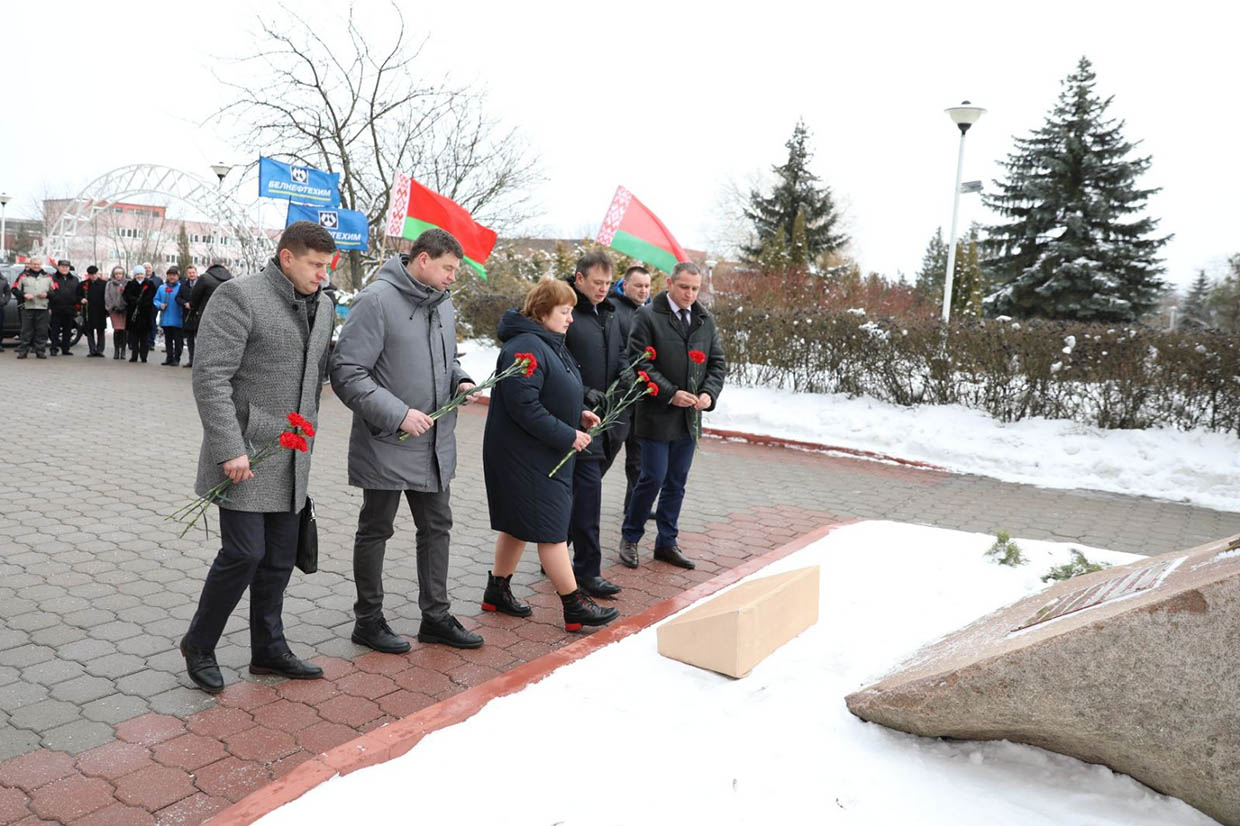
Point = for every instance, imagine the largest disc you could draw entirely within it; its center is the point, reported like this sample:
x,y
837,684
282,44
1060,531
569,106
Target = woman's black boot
x,y
580,610
498,597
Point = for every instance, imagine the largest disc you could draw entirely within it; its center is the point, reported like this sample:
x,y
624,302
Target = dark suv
x,y
12,326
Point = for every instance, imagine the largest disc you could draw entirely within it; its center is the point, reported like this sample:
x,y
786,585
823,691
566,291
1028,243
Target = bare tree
x,y
359,104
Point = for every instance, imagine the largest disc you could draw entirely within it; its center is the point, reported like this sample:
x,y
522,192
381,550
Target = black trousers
x,y
96,338
174,341
432,515
583,523
34,332
190,335
61,330
258,551
139,345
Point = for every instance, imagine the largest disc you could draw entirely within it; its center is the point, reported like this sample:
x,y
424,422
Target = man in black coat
x,y
215,275
630,295
63,303
689,368
596,344
189,325
91,294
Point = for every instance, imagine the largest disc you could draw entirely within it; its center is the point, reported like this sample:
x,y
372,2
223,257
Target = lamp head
x,y
220,169
965,115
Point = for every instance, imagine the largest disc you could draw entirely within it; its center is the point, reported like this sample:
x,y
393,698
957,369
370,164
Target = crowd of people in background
x,y
137,307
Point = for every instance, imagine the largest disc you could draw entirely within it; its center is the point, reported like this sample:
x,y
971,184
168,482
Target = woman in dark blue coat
x,y
533,420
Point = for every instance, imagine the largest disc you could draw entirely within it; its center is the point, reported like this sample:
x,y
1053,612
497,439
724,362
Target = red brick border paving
x,y
163,769
398,738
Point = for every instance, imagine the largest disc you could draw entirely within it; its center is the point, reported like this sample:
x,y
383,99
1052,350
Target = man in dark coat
x,y
596,344
630,295
93,289
189,326
4,300
394,364
63,302
263,356
689,368
200,296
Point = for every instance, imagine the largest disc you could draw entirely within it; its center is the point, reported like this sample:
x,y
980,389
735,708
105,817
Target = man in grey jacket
x,y
262,356
394,364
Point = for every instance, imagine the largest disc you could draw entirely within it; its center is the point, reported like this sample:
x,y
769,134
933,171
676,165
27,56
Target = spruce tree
x,y
797,190
929,281
1074,246
1224,301
1195,308
184,258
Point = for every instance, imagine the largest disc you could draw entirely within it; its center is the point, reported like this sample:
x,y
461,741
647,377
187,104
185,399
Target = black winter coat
x,y
140,305
531,424
598,347
215,275
672,370
92,292
66,294
626,308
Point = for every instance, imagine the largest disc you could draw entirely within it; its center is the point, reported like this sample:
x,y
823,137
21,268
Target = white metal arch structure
x,y
150,179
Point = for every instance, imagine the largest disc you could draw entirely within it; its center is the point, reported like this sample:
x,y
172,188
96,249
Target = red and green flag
x,y
631,228
415,209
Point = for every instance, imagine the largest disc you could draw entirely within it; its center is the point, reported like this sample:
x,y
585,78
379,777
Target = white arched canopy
x,y
150,179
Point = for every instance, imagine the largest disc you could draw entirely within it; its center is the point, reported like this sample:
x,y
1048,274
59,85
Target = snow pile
x,y
1198,467
625,736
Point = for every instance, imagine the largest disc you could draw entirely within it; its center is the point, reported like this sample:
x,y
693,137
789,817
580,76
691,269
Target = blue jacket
x,y
165,301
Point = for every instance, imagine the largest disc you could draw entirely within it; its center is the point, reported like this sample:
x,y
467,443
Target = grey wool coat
x,y
396,352
256,361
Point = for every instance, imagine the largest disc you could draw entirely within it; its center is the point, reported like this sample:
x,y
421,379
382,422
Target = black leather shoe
x,y
628,553
673,556
596,586
377,634
287,666
202,668
580,610
448,632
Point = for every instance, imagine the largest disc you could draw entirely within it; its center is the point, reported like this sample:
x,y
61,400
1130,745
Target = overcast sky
x,y
712,90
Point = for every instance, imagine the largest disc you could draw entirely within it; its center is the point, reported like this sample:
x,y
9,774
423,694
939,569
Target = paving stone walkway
x,y
99,725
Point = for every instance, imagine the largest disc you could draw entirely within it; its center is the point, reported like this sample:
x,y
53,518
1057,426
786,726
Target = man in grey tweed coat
x,y
261,354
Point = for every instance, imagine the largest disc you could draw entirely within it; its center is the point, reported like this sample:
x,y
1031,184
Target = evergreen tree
x,y
774,253
184,259
929,280
797,191
1224,301
968,280
1074,246
1195,308
798,251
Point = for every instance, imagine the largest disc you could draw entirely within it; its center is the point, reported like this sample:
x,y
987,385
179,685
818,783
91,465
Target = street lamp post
x,y
4,229
221,171
964,116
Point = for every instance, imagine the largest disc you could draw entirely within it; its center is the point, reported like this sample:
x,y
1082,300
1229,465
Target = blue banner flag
x,y
348,227
297,183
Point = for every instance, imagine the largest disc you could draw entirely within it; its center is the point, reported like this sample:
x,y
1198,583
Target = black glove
x,y
595,398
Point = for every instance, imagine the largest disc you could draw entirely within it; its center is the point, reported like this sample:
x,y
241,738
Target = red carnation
x,y
531,363
652,389
697,356
299,421
643,375
651,354
293,442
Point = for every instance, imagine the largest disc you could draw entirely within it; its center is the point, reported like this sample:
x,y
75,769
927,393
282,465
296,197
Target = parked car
x,y
12,325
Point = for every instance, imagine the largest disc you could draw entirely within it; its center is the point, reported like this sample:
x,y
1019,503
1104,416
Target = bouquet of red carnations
x,y
523,363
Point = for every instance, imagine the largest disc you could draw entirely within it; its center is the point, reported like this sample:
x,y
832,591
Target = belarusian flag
x,y
634,230
415,209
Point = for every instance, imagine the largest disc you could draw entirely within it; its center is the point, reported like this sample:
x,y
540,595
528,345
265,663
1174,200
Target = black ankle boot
x,y
580,610
498,597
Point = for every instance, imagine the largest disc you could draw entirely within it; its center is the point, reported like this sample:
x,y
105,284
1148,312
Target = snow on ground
x,y
625,736
1198,467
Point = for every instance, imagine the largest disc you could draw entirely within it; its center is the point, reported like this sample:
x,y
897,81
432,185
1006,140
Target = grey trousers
x,y
432,514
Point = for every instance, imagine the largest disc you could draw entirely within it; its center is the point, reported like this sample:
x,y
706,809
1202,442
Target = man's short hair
x,y
636,268
300,236
545,297
436,242
685,267
173,270
592,259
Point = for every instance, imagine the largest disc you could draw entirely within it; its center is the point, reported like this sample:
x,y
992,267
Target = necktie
x,y
684,317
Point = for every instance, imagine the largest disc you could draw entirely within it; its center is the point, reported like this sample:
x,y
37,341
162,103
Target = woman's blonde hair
x,y
545,297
